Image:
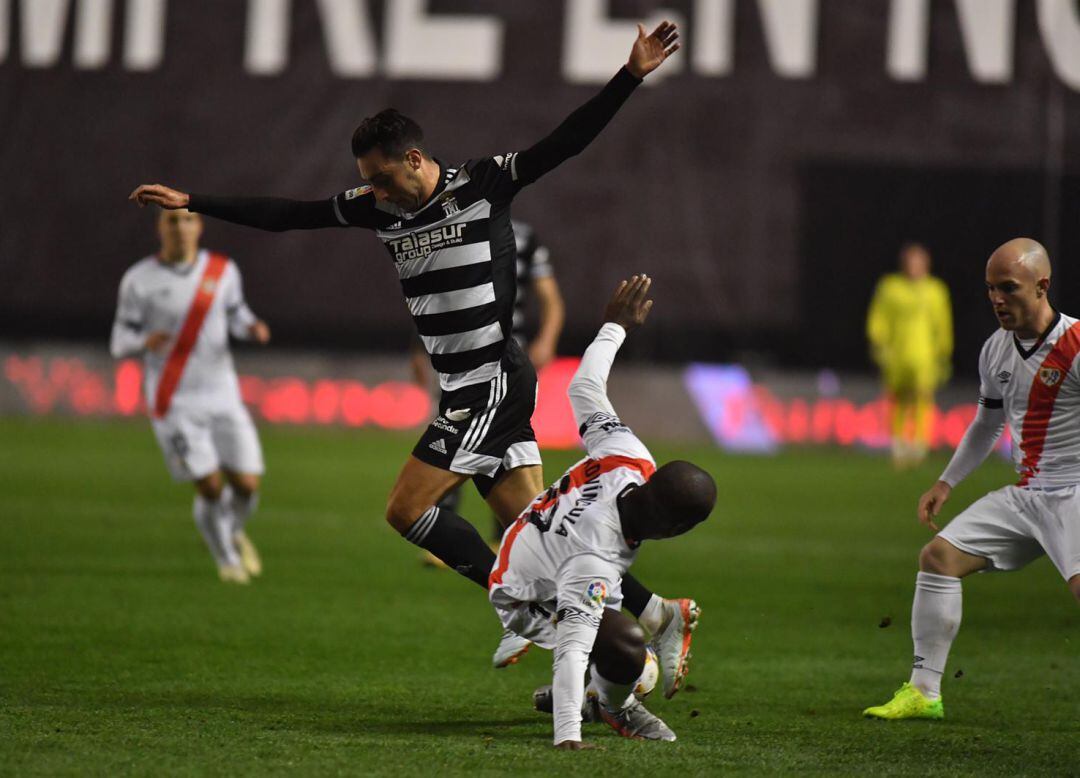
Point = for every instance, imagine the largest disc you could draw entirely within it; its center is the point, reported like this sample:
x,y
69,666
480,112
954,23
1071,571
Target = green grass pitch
x,y
121,653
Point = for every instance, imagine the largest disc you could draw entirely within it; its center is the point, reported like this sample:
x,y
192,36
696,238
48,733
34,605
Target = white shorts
x,y
1014,526
197,443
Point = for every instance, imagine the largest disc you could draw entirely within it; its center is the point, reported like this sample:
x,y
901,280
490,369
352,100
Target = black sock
x,y
455,541
635,596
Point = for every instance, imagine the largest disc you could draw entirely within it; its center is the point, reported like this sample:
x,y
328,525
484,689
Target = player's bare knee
x,y
1074,587
244,485
210,487
934,557
402,513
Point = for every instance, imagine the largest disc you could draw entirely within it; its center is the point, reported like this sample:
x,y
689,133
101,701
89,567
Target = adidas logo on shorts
x,y
439,445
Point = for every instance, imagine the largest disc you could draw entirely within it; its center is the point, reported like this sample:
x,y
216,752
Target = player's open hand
x,y
931,502
159,194
158,342
577,745
260,332
629,307
650,51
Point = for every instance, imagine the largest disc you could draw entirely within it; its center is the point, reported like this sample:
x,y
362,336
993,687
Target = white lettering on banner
x,y
144,37
347,32
419,44
45,21
445,47
1059,23
594,46
987,29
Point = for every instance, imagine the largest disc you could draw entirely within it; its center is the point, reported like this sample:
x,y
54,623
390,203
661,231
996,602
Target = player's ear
x,y
1042,286
414,158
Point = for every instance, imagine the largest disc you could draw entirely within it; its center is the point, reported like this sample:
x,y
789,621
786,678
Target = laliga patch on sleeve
x,y
354,193
595,595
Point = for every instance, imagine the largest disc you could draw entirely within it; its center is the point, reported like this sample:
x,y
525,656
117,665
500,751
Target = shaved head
x,y
678,496
1017,282
1025,254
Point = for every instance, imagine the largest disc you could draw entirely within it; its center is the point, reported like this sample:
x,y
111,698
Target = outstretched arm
x,y
264,213
628,308
578,130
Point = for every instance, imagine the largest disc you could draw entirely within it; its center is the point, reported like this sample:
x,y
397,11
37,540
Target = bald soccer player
x,y
1029,378
177,309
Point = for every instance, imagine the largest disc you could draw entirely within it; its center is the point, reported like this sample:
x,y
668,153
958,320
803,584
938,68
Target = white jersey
x,y
1038,386
155,296
576,516
567,550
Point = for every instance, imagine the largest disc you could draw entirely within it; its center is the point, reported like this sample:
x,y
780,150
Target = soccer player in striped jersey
x,y
557,580
535,280
447,229
1029,379
177,309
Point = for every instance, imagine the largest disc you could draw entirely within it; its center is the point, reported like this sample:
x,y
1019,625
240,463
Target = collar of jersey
x,y
446,175
1025,353
183,269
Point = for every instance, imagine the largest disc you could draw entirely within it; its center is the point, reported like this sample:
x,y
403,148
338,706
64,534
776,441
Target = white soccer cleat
x,y
672,643
233,574
511,648
636,723
249,555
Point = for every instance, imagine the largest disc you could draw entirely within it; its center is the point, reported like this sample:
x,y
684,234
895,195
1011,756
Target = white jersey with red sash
x,y
199,305
1038,386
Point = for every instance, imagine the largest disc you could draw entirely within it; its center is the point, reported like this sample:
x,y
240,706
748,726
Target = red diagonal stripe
x,y
189,333
579,475
1041,401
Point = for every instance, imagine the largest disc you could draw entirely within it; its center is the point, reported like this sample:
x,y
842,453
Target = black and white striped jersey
x,y
455,255
533,262
456,260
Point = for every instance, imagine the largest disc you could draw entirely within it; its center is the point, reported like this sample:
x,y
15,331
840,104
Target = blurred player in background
x,y
909,326
1029,379
447,230
536,280
558,577
177,309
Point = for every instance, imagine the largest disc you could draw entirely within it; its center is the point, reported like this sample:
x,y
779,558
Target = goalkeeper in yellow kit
x,y
909,326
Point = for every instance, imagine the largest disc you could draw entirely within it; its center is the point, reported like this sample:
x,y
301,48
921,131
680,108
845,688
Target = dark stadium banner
x,y
765,180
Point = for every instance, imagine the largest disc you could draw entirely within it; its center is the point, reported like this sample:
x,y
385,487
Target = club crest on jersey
x,y
352,194
1049,375
596,594
209,285
449,205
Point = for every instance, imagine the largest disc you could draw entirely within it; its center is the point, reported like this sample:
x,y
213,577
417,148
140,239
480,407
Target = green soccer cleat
x,y
907,703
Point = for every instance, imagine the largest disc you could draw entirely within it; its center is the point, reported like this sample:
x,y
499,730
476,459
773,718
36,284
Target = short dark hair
x,y
389,131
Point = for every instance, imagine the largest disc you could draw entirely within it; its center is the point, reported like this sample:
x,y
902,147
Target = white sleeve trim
x,y
337,211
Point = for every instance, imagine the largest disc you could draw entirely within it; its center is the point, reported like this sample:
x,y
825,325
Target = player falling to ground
x,y
1029,379
447,229
558,577
535,280
909,326
177,309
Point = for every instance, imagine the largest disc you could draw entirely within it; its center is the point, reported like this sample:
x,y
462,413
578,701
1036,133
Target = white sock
x,y
214,520
654,615
613,696
242,508
935,620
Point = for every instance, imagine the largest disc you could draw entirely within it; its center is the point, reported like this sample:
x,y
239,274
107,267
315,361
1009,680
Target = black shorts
x,y
484,429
